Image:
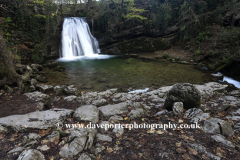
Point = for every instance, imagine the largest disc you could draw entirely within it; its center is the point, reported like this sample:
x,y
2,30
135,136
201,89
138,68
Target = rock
x,y
87,113
158,114
29,68
44,88
99,148
70,98
33,82
37,66
235,93
110,110
7,89
38,120
177,108
104,138
99,103
18,149
31,137
218,76
80,138
70,90
118,130
185,93
54,136
196,115
86,156
41,79
220,138
218,126
56,99
31,154
201,149
3,129
209,90
39,97
115,118
59,89
136,113
43,148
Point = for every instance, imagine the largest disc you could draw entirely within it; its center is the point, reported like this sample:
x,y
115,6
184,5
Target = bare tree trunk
x,y
8,75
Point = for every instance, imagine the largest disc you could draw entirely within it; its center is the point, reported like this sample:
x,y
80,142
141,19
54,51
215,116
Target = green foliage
x,y
37,57
198,52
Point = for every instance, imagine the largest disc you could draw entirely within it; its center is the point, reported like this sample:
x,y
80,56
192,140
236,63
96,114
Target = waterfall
x,y
77,39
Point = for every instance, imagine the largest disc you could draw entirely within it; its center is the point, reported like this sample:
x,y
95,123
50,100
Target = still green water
x,y
124,73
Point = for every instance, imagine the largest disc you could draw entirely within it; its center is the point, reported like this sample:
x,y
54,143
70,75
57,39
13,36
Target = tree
x,y
8,75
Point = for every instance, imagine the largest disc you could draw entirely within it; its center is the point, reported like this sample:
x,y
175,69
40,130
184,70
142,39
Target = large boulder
x,y
186,93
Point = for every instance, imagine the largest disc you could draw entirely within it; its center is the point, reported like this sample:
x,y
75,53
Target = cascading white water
x,y
77,39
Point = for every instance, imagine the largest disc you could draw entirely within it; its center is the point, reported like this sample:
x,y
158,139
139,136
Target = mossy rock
x,y
186,93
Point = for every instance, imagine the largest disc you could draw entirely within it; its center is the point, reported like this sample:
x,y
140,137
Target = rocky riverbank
x,y
40,131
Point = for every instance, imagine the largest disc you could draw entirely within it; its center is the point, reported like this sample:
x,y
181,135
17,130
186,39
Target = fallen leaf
x,y
44,132
109,150
1,136
151,131
45,141
52,158
180,150
170,134
125,118
185,157
180,121
178,144
192,151
159,132
13,136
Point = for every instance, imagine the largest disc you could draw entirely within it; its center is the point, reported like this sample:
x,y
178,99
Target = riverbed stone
x,y
43,148
196,115
160,113
31,137
99,148
70,98
118,130
36,120
177,108
220,138
115,118
87,113
104,138
136,113
209,90
39,97
86,156
59,89
31,154
100,102
44,88
218,126
110,110
16,150
70,90
79,139
201,149
186,93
